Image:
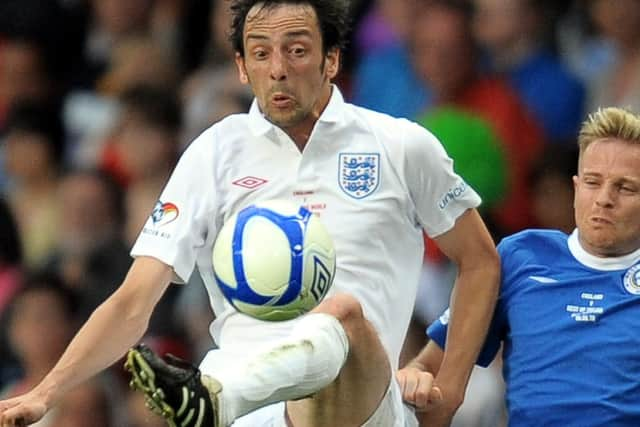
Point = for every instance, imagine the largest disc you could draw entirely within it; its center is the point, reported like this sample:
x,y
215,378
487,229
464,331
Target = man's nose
x,y
278,67
605,196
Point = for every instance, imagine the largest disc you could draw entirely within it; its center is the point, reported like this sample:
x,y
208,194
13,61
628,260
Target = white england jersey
x,y
375,181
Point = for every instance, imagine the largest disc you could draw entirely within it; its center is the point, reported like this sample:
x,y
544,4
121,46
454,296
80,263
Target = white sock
x,y
309,359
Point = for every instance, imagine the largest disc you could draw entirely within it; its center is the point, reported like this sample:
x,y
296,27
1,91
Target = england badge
x,y
359,173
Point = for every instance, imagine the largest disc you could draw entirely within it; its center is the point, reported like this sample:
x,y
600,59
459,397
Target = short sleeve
x,y
179,222
439,194
437,331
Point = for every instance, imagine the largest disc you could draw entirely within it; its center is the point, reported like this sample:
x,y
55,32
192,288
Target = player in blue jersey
x,y
568,315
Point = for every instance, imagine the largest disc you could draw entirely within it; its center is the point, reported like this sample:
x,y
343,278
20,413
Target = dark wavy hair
x,y
333,19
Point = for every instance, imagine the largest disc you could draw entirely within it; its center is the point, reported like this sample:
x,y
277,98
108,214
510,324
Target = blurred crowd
x,y
98,98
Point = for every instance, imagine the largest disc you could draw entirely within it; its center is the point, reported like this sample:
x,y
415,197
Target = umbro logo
x,y
542,279
250,182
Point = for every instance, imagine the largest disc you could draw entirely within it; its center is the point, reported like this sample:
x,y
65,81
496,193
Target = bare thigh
x,y
363,381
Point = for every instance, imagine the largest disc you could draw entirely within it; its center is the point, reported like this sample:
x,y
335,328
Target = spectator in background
x,y
165,24
91,254
384,78
135,61
384,25
445,56
586,52
117,23
56,28
41,323
619,21
213,91
145,149
34,146
551,186
109,22
512,33
87,405
23,73
127,43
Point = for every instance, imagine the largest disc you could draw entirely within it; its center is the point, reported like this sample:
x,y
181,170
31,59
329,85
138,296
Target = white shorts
x,y
392,412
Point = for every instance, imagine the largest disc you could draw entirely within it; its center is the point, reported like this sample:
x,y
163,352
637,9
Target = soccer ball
x,y
274,260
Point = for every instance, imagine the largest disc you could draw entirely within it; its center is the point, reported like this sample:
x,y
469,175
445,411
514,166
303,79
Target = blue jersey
x,y
570,325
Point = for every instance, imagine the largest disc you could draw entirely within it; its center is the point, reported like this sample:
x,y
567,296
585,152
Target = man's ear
x,y
332,62
242,69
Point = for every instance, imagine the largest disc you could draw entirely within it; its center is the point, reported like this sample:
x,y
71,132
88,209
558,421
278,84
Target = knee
x,y
365,348
344,307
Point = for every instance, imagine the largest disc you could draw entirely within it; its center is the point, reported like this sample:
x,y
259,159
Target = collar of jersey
x,y
334,112
607,264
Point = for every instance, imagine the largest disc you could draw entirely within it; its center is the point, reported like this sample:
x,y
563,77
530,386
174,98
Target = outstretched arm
x,y
469,245
113,327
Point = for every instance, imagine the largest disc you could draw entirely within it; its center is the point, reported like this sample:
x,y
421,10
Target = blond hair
x,y
610,122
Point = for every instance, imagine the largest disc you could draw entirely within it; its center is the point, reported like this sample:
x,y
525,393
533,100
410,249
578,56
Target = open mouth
x,y
281,100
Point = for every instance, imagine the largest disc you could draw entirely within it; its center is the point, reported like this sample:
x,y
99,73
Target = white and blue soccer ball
x,y
274,260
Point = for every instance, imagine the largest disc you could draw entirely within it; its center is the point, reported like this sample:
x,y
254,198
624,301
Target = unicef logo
x,y
632,280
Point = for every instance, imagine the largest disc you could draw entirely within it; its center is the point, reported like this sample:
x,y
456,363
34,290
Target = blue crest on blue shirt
x,y
359,173
631,280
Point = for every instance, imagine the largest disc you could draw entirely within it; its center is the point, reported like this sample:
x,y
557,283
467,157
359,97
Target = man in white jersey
x,y
295,144
568,314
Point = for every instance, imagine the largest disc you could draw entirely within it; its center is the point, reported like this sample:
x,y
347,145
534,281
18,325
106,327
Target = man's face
x,y
87,211
499,24
284,63
441,51
120,17
21,73
28,155
607,197
617,20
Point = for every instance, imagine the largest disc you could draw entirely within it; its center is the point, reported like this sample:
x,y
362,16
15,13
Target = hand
x,y
418,388
22,410
441,415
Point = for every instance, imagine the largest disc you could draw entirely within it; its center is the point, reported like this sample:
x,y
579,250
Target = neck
x,y
301,132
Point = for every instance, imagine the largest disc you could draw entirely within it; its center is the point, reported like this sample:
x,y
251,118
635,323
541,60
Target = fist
x,y
418,388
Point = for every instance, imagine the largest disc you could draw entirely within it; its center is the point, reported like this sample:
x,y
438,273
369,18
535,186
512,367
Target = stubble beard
x,y
286,119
